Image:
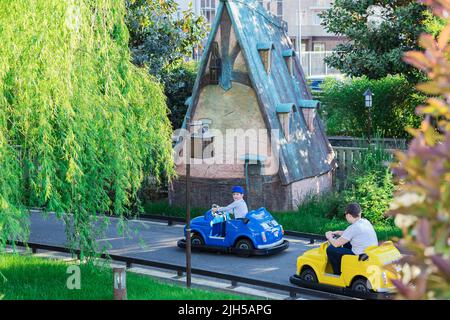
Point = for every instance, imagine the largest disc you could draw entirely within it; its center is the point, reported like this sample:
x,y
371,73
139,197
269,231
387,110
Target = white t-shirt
x,y
361,235
238,208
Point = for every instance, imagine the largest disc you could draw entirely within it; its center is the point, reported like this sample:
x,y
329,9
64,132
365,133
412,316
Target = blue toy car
x,y
257,234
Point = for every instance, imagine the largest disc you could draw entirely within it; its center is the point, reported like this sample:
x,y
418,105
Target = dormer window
x,y
265,52
285,112
309,108
215,64
288,56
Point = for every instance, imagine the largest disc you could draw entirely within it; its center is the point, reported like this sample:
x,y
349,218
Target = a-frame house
x,y
250,80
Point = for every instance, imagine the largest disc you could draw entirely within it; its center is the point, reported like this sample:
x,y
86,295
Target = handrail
x,y
178,220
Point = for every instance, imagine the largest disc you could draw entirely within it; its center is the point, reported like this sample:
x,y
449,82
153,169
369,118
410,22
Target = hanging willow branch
x,y
89,124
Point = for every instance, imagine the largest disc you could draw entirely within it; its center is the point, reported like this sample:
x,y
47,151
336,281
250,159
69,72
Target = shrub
x,y
371,184
392,111
422,205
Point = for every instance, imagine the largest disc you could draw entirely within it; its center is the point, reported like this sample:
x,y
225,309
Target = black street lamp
x,y
188,151
368,101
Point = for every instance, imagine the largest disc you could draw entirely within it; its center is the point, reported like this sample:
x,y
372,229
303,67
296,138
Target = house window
x,y
303,46
309,108
319,46
285,112
288,59
208,9
202,141
215,64
280,9
265,52
317,20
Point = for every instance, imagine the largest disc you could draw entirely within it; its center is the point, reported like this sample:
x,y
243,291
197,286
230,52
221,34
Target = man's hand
x,y
329,235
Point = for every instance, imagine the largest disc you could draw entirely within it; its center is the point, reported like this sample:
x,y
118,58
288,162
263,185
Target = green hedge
x,y
394,102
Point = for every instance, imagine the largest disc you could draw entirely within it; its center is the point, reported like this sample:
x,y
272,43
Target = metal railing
x,y
235,280
313,63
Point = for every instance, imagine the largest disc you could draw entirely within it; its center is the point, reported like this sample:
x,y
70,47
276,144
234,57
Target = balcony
x,y
313,63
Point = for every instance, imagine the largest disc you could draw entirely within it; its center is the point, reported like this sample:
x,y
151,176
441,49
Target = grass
x,y
34,278
318,216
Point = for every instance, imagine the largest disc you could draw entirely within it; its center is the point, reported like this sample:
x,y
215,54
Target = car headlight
x,y
263,236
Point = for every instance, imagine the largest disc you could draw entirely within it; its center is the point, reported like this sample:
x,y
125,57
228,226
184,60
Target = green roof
x,y
309,103
264,45
285,107
288,53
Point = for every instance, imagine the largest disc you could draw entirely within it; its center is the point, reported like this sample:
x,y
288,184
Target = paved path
x,y
158,242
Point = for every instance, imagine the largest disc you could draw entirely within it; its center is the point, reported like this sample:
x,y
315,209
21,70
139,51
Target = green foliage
x,y
160,38
371,185
88,124
393,107
377,45
178,82
32,278
433,24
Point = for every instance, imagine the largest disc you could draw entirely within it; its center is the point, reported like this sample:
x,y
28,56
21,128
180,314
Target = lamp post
x,y
188,208
299,31
120,286
368,102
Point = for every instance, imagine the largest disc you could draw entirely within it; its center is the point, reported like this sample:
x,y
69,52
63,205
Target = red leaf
x,y
423,231
442,264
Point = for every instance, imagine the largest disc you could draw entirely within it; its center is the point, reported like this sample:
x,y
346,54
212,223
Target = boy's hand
x,y
329,234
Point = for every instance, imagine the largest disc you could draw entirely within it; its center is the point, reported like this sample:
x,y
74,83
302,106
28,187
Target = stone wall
x,y
311,186
205,192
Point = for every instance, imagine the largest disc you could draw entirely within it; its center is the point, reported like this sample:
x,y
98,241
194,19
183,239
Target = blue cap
x,y
237,189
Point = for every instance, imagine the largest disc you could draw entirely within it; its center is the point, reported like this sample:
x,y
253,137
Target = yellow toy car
x,y
367,275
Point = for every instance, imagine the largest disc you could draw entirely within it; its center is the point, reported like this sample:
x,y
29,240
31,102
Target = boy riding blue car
x,y
247,233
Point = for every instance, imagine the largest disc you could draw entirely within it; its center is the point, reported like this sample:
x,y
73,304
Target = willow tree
x,y
80,125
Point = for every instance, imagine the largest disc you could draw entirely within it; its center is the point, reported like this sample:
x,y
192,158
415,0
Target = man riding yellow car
x,y
366,275
350,259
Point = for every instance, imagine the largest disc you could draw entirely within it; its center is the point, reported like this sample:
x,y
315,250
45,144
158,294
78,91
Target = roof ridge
x,y
269,16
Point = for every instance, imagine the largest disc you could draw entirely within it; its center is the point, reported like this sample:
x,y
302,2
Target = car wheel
x,y
197,240
309,275
361,285
244,244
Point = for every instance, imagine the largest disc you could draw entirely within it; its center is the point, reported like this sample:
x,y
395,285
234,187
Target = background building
x,y
303,21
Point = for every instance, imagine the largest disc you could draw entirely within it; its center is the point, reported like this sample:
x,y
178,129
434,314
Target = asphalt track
x,y
158,242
